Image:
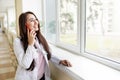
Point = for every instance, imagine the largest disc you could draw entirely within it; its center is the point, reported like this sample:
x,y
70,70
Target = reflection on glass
x,y
102,28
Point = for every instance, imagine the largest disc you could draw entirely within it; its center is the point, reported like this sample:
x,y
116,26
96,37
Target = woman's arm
x,y
24,59
58,61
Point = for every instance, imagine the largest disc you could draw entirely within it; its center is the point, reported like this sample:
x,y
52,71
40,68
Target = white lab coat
x,y
25,59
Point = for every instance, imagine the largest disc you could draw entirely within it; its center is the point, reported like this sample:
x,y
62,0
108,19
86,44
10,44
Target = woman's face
x,y
32,22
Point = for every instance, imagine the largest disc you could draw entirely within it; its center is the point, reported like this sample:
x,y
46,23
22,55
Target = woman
x,y
32,51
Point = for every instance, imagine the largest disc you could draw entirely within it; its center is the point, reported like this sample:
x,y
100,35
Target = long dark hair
x,y
24,37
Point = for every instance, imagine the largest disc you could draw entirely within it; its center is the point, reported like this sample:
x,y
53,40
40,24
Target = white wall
x,y
34,6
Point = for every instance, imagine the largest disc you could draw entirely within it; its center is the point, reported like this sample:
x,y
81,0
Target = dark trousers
x,y
43,78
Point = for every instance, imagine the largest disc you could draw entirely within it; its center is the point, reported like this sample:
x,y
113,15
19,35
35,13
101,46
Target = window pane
x,y
50,29
102,28
68,21
11,17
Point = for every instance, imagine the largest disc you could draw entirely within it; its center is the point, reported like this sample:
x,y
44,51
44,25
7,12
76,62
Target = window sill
x,y
83,68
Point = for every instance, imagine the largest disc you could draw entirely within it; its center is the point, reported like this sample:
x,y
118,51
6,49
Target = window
x,y
11,17
50,21
87,27
68,27
102,29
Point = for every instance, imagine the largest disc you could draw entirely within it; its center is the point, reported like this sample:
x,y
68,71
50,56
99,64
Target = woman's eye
x,y
33,20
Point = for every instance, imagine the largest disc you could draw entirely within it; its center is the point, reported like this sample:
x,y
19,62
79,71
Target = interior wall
x,y
57,74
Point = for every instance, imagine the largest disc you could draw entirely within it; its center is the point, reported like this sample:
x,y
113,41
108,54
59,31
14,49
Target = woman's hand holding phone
x,y
31,36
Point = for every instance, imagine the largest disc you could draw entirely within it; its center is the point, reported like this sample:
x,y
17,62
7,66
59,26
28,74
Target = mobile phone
x,y
28,27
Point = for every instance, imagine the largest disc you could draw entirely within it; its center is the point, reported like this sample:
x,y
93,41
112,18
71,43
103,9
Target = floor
x,y
7,59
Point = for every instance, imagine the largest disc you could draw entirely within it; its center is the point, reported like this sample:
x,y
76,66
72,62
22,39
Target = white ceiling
x,y
5,4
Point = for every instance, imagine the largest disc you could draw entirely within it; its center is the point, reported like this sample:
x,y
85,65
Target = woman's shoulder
x,y
17,40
